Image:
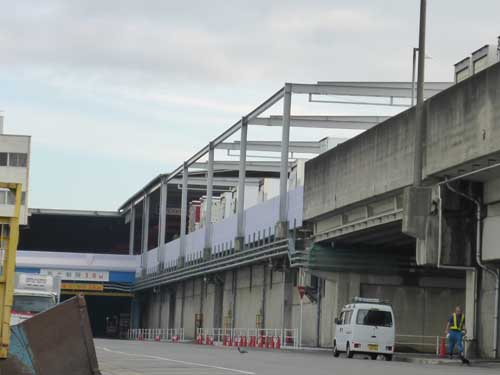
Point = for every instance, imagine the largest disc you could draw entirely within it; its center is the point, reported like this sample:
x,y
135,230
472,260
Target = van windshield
x,y
32,304
374,318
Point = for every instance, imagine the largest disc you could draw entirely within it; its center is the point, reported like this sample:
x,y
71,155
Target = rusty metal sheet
x,y
56,342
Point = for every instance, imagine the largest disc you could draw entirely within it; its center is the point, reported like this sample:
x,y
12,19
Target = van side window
x,y
342,316
348,316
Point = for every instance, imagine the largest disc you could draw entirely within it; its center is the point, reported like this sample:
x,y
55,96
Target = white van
x,y
365,326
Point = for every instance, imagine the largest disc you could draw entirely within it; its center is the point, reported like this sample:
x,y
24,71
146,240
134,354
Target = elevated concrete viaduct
x,y
359,196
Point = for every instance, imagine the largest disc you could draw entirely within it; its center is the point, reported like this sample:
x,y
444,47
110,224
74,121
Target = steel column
x,y
184,202
162,219
240,228
145,233
285,140
131,239
208,213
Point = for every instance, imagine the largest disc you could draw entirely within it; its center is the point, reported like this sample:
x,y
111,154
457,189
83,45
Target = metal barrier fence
x,y
156,334
268,338
426,344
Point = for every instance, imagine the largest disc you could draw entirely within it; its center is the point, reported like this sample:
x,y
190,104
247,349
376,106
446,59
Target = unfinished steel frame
x,y
285,147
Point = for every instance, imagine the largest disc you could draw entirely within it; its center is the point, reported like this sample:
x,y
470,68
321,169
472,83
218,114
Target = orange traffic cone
x,y
442,348
278,342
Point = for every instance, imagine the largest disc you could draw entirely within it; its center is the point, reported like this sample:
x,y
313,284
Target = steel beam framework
x,y
286,121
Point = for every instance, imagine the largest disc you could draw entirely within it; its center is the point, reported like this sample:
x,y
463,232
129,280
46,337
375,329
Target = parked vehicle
x,y
365,326
33,294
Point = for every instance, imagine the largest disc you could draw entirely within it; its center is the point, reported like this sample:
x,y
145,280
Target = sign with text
x,y
77,275
76,286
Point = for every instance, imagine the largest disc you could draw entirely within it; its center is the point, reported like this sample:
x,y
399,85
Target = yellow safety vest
x,y
455,326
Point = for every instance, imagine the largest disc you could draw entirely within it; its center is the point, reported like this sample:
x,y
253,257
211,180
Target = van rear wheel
x,y
335,350
348,352
373,357
388,357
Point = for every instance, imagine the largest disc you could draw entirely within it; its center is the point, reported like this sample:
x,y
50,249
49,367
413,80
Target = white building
x,y
14,167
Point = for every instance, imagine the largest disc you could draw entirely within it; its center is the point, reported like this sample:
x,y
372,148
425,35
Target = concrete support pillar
x,y
235,291
318,312
207,250
183,301
282,225
135,313
131,231
184,202
239,242
264,295
287,298
218,302
470,311
172,300
145,233
162,221
160,305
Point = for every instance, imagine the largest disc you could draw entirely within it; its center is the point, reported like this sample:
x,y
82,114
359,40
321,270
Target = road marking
x,y
177,361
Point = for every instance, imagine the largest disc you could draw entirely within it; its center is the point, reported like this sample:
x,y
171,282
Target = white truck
x,y
33,294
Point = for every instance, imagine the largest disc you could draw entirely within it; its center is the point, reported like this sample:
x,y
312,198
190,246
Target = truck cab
x,y
365,326
33,294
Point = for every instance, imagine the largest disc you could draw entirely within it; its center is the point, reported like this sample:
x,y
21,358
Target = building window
x,y
11,198
3,159
3,196
17,159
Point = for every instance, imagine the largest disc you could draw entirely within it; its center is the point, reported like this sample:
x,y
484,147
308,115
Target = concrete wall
x,y
462,125
421,304
486,308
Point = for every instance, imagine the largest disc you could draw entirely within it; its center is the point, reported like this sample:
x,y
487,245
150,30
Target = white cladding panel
x,y
260,221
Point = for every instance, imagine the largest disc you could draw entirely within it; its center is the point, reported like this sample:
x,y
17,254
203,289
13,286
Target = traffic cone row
x,y
263,342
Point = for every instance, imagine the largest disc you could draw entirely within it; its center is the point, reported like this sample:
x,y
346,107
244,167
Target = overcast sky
x,y
115,92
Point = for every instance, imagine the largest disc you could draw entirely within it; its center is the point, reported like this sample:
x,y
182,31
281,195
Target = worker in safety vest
x,y
455,330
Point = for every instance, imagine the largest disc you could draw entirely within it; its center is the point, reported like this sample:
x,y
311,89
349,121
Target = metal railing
x,y
237,259
257,337
156,334
427,344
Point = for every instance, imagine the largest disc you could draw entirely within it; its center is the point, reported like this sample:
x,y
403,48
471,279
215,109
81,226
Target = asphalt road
x,y
118,357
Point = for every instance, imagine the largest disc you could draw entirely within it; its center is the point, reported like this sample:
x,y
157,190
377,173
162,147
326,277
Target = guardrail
x,y
269,338
156,334
428,344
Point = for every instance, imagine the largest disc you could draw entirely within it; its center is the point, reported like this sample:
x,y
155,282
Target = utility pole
x,y
419,118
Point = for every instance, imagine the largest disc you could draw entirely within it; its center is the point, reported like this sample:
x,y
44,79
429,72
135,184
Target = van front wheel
x,y
373,357
335,350
348,351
